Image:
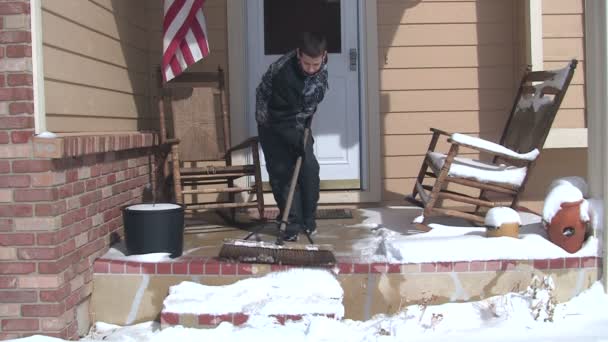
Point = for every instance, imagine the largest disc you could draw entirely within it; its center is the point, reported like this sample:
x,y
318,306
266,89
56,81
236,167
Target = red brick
x,y
15,94
6,225
573,262
556,264
27,166
21,137
17,239
212,267
508,265
17,267
16,108
8,282
148,268
14,7
42,253
55,295
20,324
51,209
228,268
5,166
10,296
444,267
18,51
361,268
493,265
133,267
16,210
428,267
541,264
52,238
68,247
15,37
42,310
244,269
35,195
239,318
169,318
163,268
461,266
117,267
180,268
16,122
588,262
345,268
4,138
19,80
14,181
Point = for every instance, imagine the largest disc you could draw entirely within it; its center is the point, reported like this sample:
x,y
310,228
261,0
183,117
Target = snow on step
x,y
287,295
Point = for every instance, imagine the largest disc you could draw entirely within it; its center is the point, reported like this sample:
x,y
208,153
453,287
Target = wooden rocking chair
x,y
538,99
202,173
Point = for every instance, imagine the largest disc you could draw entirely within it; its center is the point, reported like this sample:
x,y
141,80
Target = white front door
x,y
272,27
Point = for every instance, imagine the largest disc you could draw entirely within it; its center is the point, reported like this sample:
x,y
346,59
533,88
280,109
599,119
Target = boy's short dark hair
x,y
312,44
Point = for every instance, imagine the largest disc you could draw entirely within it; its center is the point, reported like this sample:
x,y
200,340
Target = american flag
x,y
184,36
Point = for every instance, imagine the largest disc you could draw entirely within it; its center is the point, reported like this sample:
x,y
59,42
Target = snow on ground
x,y
502,318
455,242
297,291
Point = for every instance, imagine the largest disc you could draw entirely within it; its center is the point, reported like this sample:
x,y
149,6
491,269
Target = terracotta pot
x,y
505,229
566,228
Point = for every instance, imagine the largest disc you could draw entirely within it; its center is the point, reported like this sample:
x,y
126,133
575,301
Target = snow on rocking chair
x,y
538,99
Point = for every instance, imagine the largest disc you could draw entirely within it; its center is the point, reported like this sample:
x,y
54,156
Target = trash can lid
x,y
153,206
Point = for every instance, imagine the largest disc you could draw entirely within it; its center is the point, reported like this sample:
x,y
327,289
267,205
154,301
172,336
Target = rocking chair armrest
x,y
173,141
492,148
439,132
251,142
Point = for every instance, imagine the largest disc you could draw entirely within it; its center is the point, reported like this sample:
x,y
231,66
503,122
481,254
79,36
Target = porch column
x,y
596,41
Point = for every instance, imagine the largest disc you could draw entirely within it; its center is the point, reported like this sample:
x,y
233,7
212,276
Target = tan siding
x,y
103,77
445,64
563,39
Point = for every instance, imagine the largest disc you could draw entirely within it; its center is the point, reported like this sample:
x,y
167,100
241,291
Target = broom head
x,y
260,252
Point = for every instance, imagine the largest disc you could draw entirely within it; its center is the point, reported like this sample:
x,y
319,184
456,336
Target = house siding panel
x,y
110,60
447,64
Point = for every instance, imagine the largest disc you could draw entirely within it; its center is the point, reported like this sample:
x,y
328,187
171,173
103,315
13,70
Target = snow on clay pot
x,y
502,221
567,228
154,228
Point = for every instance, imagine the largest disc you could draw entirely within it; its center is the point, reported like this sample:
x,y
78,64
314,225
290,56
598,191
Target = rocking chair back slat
x,y
199,116
538,100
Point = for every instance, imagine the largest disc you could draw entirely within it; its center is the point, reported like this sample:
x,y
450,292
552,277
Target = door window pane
x,y
284,20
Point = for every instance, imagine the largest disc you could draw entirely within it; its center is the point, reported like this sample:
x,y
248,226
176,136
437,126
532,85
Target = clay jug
x,y
566,228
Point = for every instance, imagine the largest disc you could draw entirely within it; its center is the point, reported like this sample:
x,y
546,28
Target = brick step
x,y
206,321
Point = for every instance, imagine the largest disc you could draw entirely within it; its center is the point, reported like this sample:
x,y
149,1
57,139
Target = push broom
x,y
243,250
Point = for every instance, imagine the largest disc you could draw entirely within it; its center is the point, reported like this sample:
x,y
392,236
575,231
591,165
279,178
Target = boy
x,y
286,100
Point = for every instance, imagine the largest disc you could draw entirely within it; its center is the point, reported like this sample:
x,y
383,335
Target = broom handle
x,y
292,185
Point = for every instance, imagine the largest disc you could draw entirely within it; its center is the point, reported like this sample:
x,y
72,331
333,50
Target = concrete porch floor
x,y
204,234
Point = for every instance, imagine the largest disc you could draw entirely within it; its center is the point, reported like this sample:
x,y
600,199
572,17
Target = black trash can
x,y
154,228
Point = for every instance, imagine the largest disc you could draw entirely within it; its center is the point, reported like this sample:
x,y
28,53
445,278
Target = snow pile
x,y
296,291
566,190
493,147
458,243
511,317
495,217
480,171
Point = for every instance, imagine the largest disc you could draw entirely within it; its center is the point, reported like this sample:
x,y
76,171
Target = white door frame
x,y
371,179
596,88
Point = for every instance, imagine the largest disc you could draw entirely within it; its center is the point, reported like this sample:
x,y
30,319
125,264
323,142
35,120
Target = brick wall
x,y
63,215
56,215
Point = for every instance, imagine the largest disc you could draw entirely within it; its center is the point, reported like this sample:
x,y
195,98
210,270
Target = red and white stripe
x,y
184,36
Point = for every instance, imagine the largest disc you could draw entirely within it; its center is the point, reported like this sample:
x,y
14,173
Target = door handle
x,y
353,56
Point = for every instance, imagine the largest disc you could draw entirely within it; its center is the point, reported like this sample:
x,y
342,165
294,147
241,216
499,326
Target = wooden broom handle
x,y
292,185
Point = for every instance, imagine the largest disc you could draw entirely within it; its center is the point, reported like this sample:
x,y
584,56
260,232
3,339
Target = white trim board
x,y
37,66
370,137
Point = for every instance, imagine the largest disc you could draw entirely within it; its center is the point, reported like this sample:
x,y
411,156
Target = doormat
x,y
322,214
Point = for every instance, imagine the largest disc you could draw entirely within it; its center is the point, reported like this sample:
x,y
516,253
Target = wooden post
x,y
177,179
